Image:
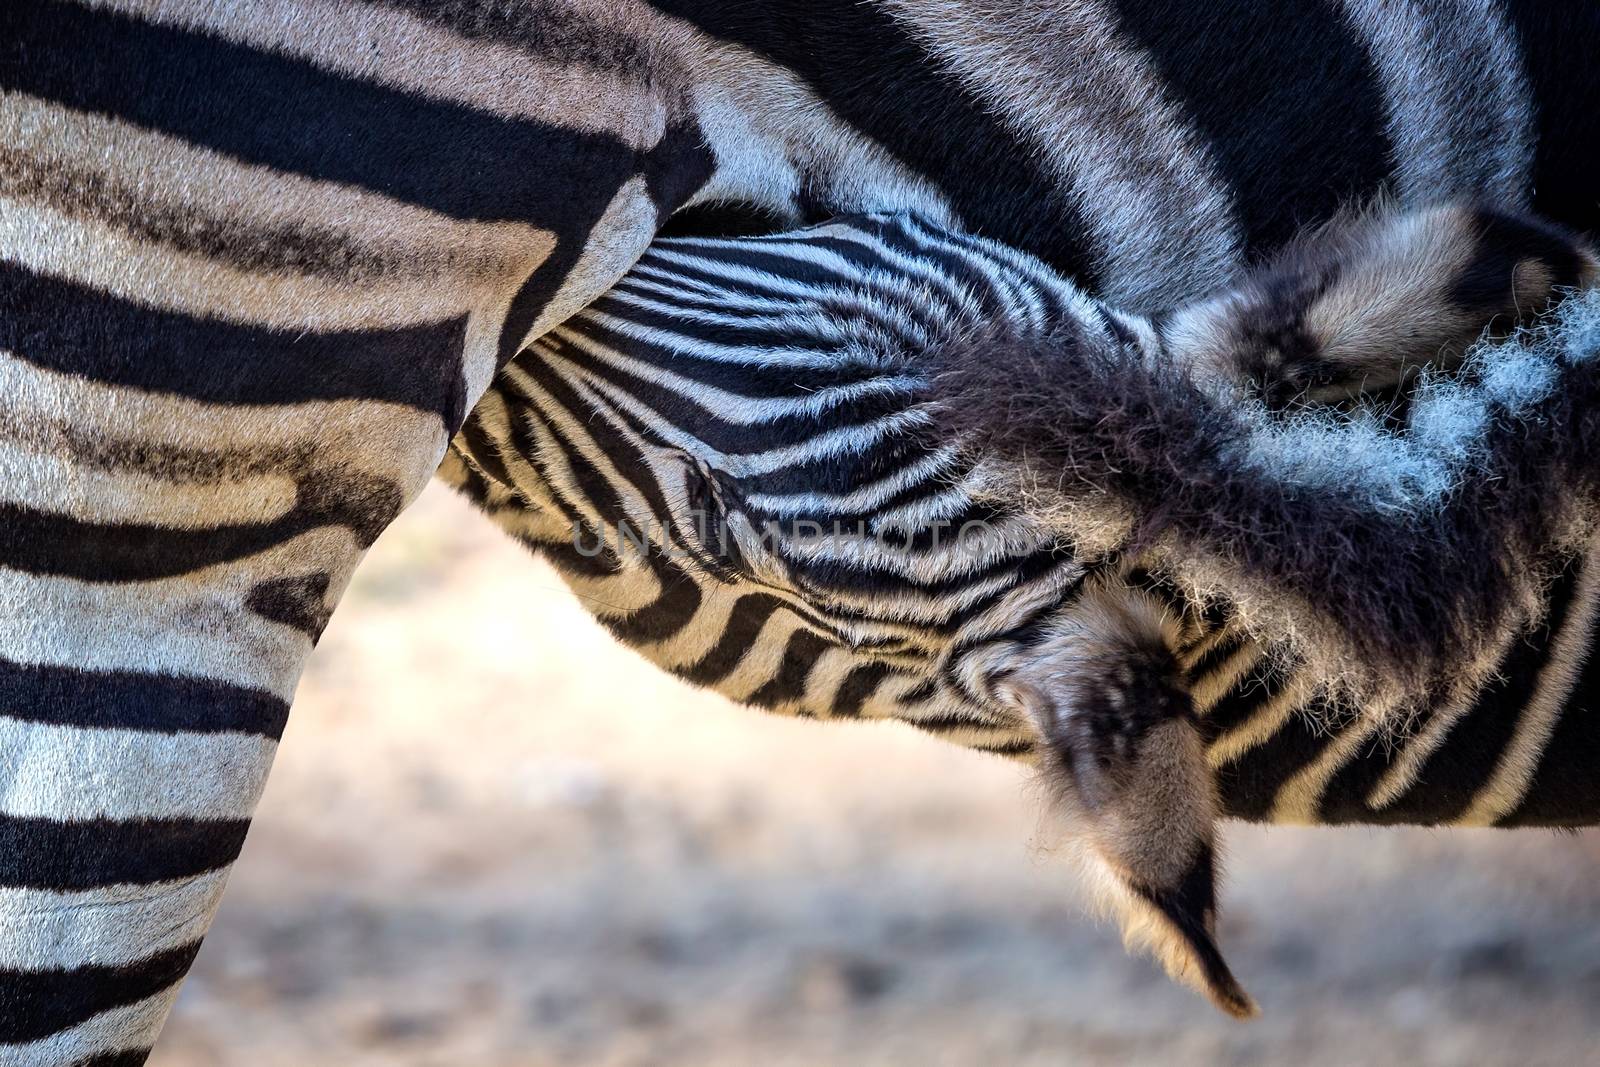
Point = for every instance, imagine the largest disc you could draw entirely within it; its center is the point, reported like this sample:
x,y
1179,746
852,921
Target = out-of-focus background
x,y
494,838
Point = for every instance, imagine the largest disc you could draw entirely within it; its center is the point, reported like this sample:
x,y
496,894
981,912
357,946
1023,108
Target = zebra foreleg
x,y
1127,774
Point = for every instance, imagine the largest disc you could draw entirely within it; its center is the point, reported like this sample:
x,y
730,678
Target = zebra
x,y
742,458
258,263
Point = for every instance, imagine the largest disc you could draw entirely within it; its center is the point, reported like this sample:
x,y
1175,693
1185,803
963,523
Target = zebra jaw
x,y
1128,779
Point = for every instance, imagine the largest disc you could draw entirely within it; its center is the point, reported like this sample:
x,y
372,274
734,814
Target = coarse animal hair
x,y
1390,555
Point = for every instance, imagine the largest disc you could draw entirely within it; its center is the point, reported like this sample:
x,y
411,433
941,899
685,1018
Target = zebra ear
x,y
1127,775
1176,923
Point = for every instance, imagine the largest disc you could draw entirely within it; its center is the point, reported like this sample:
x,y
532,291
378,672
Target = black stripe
x,y
857,688
708,287
36,1004
1565,790
133,700
1286,95
596,559
1014,749
287,114
133,1057
800,656
523,444
476,442
1344,801
875,76
1253,691
45,543
749,614
948,273
299,602
72,329
673,170
680,351
960,254
1248,786
887,458
664,617
61,856
1557,45
951,721
587,477
1452,775
825,290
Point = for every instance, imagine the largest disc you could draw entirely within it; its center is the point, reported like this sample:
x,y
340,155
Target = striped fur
x,y
257,262
757,463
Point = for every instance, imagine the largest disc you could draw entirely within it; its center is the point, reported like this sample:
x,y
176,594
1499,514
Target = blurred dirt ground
x,y
493,838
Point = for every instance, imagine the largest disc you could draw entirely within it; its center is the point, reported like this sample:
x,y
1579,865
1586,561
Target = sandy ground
x,y
494,838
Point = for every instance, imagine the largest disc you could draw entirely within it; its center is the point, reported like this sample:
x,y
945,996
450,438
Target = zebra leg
x,y
1361,305
1127,773
168,566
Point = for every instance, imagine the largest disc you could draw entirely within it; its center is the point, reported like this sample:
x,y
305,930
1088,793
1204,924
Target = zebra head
x,y
754,461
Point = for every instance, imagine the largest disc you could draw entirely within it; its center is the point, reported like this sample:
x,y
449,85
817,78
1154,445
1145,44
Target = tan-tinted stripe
x,y
761,664
110,259
167,191
1267,721
380,45
1300,797
1417,747
58,483
1513,774
42,409
1220,682
1197,651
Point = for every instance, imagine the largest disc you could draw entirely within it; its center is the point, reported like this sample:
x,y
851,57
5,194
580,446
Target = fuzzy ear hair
x,y
1128,776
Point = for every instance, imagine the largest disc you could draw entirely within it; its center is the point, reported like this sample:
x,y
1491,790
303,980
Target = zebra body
x,y
736,460
734,464
258,263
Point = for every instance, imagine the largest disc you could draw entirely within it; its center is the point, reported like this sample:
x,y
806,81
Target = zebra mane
x,y
1392,558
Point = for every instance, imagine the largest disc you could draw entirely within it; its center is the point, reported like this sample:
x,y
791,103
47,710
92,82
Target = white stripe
x,y
1460,116
865,497
133,1026
194,626
1569,649
826,444
42,929
370,43
1098,111
731,407
71,773
816,318
63,484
